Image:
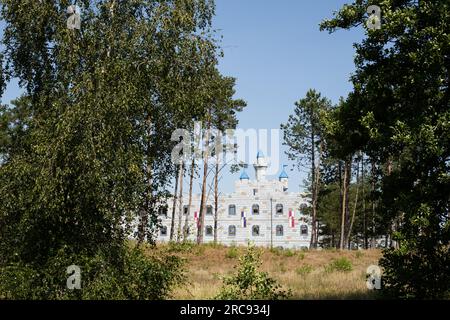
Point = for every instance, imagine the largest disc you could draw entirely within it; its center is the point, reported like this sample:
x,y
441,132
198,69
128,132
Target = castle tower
x,y
260,167
284,178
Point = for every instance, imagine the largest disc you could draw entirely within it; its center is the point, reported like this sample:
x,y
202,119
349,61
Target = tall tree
x,y
400,110
303,135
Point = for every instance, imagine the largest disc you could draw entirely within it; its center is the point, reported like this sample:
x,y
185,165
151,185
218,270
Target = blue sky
x,y
276,52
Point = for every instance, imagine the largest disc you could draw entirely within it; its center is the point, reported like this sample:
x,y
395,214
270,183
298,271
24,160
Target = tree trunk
x,y
373,240
343,207
204,185
172,223
312,244
180,202
354,207
348,167
366,243
191,182
216,196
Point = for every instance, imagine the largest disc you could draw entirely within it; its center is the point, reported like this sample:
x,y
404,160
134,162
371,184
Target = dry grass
x,y
306,273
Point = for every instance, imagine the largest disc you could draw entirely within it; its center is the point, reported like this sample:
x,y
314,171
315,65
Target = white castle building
x,y
259,211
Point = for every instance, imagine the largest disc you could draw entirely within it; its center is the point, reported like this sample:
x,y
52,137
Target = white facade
x,y
272,215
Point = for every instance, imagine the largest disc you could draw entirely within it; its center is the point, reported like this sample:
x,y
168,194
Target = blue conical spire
x,y
260,154
283,174
244,175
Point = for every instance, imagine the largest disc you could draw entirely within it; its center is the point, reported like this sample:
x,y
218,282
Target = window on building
x,y
209,231
279,208
186,230
209,210
185,210
255,209
162,211
279,230
231,230
163,231
255,231
255,191
232,210
304,230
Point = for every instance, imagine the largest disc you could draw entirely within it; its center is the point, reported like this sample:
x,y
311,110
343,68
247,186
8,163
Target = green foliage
x,y
137,277
301,255
289,253
179,247
340,264
399,114
304,270
232,253
87,149
250,284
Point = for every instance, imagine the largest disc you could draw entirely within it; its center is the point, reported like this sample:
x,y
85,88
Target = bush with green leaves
x,y
304,270
128,274
341,264
232,253
248,283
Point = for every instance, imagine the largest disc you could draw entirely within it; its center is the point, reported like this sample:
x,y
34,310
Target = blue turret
x,y
283,174
244,175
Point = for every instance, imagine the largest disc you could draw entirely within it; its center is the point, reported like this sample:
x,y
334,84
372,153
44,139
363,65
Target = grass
x,y
324,274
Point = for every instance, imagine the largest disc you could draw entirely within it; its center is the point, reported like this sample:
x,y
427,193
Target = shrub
x,y
179,247
301,255
129,275
289,253
250,284
341,264
232,253
304,270
416,274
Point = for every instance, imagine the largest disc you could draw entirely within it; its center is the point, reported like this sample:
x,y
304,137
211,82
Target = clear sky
x,y
276,52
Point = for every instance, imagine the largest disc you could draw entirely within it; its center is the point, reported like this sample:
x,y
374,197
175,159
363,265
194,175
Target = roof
x,y
260,154
283,174
244,175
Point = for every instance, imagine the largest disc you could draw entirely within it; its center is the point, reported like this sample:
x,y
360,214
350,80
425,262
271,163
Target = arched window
x,y
255,209
279,208
162,211
232,210
255,231
185,210
304,230
163,231
209,210
209,231
231,230
279,230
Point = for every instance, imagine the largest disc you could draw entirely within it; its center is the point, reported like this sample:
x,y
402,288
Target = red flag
x,y
291,219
